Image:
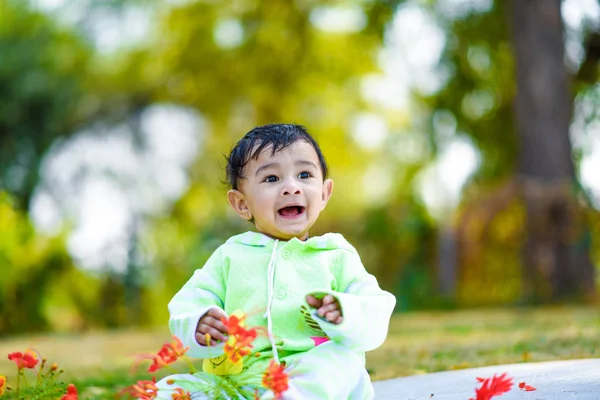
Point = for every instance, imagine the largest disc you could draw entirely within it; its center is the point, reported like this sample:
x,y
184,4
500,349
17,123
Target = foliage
x,y
237,350
31,264
419,342
476,101
46,385
477,96
55,84
41,92
218,378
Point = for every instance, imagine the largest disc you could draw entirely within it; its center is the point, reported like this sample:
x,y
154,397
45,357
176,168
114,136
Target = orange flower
x,y
181,395
237,347
28,360
161,359
2,384
494,386
168,354
275,379
234,323
71,393
526,387
177,347
240,338
144,390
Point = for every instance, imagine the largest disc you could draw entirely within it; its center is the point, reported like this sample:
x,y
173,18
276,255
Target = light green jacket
x,y
237,277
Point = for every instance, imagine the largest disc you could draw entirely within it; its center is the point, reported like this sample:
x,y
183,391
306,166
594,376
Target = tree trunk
x,y
556,257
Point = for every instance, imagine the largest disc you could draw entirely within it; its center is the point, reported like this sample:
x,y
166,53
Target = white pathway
x,y
555,380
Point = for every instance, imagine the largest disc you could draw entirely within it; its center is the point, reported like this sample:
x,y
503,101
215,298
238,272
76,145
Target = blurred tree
x,y
397,241
279,67
530,166
30,264
52,85
543,106
41,93
41,100
252,62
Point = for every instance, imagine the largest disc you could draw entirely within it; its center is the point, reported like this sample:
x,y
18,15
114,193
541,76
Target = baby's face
x,y
284,192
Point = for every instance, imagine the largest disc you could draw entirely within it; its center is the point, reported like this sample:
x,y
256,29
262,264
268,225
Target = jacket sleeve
x,y
203,291
366,308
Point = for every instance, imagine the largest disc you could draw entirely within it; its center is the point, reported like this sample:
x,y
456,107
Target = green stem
x,y
25,381
173,370
189,363
51,377
18,382
55,375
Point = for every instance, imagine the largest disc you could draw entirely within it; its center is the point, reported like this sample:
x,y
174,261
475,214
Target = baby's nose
x,y
290,187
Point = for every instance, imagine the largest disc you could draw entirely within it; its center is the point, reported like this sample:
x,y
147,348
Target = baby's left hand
x,y
328,308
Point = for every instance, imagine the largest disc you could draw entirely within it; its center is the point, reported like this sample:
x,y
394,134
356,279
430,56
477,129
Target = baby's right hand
x,y
211,323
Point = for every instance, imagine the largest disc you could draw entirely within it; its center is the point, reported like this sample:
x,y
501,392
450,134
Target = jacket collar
x,y
328,241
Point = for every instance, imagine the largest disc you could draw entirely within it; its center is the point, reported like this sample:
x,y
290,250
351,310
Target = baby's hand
x,y
328,308
211,323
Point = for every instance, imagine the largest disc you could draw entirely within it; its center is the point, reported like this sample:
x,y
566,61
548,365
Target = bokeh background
x,y
463,137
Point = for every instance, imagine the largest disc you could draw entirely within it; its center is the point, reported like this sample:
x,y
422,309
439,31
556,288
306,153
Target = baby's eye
x,y
304,175
271,179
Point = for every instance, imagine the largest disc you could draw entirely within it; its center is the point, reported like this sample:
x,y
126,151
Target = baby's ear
x,y
327,191
238,203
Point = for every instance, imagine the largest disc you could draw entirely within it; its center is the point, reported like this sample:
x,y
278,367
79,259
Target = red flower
x,y
168,354
234,323
176,347
494,386
240,338
144,390
2,384
526,387
275,379
71,393
28,360
181,395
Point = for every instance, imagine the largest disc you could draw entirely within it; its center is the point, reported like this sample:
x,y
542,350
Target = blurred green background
x,y
463,137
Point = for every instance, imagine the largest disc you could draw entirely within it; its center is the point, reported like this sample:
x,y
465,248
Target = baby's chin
x,y
287,234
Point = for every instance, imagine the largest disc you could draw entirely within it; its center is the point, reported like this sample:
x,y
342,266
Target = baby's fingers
x,y
328,299
335,317
313,301
322,311
204,339
214,323
216,313
214,334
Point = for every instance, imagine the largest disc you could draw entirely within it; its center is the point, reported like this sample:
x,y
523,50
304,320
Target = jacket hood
x,y
328,241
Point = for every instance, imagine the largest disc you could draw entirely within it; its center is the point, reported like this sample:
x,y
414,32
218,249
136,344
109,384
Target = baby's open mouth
x,y
291,211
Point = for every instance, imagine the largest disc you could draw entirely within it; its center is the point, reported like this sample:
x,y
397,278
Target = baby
x,y
321,310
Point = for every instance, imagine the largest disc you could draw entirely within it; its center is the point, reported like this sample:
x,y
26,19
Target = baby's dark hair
x,y
279,136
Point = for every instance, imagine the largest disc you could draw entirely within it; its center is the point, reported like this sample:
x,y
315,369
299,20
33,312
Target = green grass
x,y
429,342
99,363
